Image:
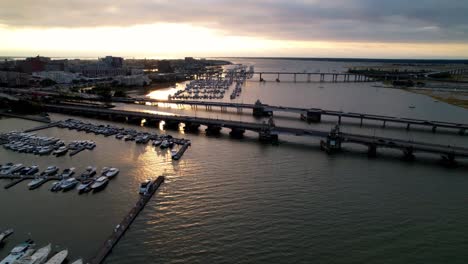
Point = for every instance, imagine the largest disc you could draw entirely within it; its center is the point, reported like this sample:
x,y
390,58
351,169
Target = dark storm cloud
x,y
348,20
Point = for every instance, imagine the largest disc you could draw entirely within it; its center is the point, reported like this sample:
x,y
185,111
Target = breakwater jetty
x,y
121,228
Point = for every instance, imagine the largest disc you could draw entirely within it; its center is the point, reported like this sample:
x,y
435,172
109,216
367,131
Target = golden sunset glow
x,y
169,40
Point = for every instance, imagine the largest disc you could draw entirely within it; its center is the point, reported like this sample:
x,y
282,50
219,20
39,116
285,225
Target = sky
x,y
247,28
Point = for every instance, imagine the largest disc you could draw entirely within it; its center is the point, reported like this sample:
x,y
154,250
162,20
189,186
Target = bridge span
x,y
268,132
307,114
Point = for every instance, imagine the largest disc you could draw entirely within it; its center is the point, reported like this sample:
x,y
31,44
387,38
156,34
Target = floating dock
x,y
19,178
120,229
181,152
54,124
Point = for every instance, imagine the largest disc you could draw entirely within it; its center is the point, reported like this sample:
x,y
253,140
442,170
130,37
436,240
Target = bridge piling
x,y
372,151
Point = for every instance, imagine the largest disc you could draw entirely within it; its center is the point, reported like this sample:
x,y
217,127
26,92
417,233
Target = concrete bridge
x,y
268,132
308,114
324,76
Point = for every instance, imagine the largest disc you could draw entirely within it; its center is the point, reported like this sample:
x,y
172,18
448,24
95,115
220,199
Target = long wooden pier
x,y
309,114
267,131
121,228
16,179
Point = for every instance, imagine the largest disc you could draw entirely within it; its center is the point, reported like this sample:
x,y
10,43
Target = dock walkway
x,y
120,229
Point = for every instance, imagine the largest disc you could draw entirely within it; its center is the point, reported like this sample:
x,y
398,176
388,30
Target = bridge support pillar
x,y
408,154
266,136
259,110
408,126
434,128
191,127
372,151
462,131
295,77
322,77
361,121
134,120
339,120
384,124
278,78
152,122
237,133
312,116
213,130
172,125
261,79
333,143
308,77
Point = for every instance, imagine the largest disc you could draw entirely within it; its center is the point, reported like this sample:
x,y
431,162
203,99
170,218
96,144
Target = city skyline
x,y
164,29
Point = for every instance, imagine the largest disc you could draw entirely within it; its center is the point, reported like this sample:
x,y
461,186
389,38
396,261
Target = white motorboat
x,y
67,173
39,257
36,182
89,172
145,187
60,151
69,184
12,169
5,234
111,173
51,170
32,170
85,185
58,258
18,252
100,183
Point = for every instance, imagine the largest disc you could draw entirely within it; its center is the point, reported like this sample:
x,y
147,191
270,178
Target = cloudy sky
x,y
178,28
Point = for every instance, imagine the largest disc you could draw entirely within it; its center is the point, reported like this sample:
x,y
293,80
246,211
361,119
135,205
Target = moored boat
x,y
36,182
69,184
145,187
5,234
58,258
66,173
111,173
51,170
18,252
100,183
39,257
85,185
60,151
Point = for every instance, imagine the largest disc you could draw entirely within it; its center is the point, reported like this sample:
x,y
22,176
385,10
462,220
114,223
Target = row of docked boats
x,y
26,253
87,181
30,143
126,134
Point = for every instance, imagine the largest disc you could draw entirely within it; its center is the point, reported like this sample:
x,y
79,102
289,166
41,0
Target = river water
x,y
239,201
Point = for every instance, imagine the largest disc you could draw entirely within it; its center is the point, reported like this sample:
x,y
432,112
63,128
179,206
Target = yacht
x,y
39,257
145,186
90,145
57,186
111,173
51,170
5,234
60,151
174,153
66,173
32,170
18,252
6,166
164,144
58,258
100,183
89,172
85,185
12,169
69,184
36,183
104,171
119,136
157,142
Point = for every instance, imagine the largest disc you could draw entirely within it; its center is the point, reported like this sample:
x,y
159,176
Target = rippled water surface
x,y
239,201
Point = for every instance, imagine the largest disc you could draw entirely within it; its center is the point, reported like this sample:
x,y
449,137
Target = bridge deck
x,y
256,127
299,110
